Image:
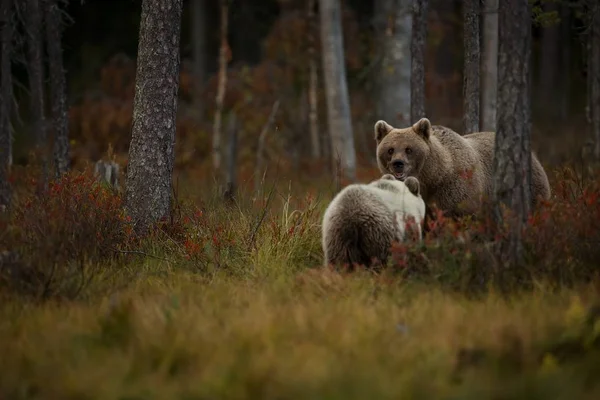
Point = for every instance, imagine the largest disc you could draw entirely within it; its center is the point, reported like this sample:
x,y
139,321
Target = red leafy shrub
x,y
64,231
561,241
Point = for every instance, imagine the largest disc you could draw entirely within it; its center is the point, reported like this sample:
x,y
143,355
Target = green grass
x,y
254,315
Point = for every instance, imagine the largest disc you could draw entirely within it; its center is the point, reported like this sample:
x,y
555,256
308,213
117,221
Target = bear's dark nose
x,y
398,165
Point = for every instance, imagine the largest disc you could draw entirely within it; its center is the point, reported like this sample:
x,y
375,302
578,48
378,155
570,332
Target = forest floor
x,y
232,302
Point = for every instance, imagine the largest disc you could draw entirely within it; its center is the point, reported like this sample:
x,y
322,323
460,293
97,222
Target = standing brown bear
x,y
454,171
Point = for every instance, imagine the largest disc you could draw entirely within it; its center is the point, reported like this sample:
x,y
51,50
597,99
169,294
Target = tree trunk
x,y
313,82
393,21
336,90
58,93
489,90
231,179
549,65
222,84
6,94
260,148
417,50
565,60
198,11
36,79
512,160
151,153
471,11
594,71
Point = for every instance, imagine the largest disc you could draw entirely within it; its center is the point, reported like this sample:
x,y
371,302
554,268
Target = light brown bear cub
x,y
454,171
363,220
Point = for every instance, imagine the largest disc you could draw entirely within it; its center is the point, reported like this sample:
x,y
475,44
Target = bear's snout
x,y
398,165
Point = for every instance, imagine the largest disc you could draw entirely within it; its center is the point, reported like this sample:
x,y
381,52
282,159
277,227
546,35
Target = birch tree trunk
x,y
222,84
417,49
35,69
489,90
393,21
471,79
313,82
58,92
151,153
336,89
6,94
198,10
512,159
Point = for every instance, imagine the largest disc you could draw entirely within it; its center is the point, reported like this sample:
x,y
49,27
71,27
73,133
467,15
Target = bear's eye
x,y
390,151
408,150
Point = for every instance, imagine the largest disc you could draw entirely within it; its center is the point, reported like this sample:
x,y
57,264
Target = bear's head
x,y
411,183
402,152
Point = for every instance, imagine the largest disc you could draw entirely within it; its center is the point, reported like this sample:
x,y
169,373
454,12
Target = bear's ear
x,y
422,128
382,128
413,185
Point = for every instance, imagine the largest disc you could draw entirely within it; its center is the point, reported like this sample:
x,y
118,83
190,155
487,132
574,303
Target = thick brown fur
x,y
454,171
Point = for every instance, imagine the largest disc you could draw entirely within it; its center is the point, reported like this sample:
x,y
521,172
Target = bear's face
x,y
402,152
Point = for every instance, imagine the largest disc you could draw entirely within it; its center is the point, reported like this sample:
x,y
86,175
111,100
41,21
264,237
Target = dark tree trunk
x,y
58,93
393,21
313,81
512,160
489,89
471,11
6,94
417,51
565,60
549,65
336,89
36,79
198,8
594,73
151,153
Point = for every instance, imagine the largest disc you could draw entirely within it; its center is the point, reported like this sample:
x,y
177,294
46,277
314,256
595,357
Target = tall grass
x,y
232,301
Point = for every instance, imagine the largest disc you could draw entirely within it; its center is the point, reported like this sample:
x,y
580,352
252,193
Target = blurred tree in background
x,y
276,56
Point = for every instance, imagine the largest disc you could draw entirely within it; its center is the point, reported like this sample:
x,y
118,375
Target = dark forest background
x,y
267,39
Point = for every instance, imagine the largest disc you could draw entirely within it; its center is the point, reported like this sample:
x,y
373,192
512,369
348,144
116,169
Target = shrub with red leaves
x,y
60,233
561,239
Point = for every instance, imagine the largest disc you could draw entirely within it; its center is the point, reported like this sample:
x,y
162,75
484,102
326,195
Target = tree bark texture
x,y
594,71
565,60
198,8
222,85
336,89
313,82
549,66
151,153
512,160
417,50
489,90
58,90
36,79
6,94
471,79
393,19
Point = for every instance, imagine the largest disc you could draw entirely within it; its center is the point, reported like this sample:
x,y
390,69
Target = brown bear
x,y
454,171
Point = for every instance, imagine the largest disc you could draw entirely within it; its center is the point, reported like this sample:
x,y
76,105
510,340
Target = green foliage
x,y
543,17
